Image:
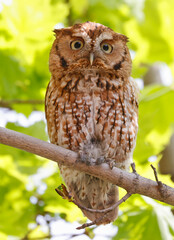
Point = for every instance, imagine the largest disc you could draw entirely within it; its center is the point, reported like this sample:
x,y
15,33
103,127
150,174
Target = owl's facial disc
x,y
93,48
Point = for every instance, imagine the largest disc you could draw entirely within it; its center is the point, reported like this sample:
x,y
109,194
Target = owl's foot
x,y
91,152
84,158
100,160
111,163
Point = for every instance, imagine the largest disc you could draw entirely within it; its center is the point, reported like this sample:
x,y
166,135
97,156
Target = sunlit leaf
x,y
156,116
145,222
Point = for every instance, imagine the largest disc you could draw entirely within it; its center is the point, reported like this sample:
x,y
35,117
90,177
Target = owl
x,y
92,108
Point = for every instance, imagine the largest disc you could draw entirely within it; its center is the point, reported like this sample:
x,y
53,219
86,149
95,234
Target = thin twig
x,y
8,103
160,184
155,174
63,192
98,220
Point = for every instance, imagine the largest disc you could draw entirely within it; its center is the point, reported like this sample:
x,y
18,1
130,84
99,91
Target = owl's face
x,y
89,46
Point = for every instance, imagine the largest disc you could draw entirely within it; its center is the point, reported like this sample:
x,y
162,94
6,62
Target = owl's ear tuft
x,y
124,38
63,31
57,32
119,36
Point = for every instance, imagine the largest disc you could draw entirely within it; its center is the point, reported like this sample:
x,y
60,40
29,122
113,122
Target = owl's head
x,y
90,46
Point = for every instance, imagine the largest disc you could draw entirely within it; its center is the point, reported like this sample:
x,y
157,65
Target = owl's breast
x,y
93,109
69,114
116,123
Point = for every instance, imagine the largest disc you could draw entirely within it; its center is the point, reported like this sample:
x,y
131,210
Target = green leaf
x,y
156,116
26,163
56,204
12,76
144,222
25,45
16,209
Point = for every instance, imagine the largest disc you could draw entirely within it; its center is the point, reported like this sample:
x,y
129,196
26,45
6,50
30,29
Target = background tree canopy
x,y
29,205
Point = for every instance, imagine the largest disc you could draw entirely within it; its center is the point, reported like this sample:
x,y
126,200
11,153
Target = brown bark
x,y
131,182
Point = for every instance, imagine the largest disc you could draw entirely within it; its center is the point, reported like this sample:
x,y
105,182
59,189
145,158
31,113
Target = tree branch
x,y
8,103
131,182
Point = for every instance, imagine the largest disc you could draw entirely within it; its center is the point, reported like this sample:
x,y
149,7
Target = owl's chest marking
x,y
95,109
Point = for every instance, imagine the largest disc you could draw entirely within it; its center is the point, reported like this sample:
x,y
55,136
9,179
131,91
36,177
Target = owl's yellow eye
x,y
106,47
76,44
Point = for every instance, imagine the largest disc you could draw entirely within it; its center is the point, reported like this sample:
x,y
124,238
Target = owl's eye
x,y
106,47
76,45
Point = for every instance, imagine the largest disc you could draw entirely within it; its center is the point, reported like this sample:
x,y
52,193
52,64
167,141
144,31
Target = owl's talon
x,y
84,158
88,162
78,159
100,160
81,157
111,164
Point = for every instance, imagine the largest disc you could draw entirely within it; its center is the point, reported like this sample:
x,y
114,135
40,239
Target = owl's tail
x,y
94,193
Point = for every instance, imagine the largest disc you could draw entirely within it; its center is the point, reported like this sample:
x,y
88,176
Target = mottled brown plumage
x,y
91,108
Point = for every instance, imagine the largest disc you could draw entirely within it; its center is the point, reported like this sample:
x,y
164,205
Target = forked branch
x,y
98,220
62,191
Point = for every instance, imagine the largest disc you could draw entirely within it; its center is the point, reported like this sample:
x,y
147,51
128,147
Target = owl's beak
x,y
91,58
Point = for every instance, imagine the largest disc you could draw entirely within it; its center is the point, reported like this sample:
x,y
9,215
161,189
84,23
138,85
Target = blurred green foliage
x,y
25,41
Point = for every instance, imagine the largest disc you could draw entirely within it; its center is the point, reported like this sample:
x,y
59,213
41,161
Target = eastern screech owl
x,y
92,109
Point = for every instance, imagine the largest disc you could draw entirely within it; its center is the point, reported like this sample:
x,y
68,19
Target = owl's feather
x,y
92,109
